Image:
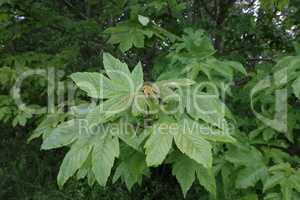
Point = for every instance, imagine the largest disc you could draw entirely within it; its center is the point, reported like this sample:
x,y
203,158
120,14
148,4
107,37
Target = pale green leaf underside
x,y
195,147
157,148
73,160
104,153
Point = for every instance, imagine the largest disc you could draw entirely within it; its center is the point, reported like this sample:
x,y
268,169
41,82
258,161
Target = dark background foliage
x,y
70,35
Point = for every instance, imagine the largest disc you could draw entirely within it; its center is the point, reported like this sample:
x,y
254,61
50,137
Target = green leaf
x,y
206,178
249,176
137,75
108,109
132,167
140,104
286,167
273,180
157,147
63,135
206,107
117,71
73,160
194,146
216,135
85,168
132,137
286,190
127,35
91,178
185,170
175,83
246,156
120,89
221,68
104,153
160,141
47,125
120,83
92,83
296,87
295,181
237,66
251,196
205,131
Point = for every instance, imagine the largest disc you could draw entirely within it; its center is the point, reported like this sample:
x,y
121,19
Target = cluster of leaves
x,y
93,153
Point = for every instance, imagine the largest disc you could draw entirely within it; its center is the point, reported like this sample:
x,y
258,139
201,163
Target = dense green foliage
x,y
157,99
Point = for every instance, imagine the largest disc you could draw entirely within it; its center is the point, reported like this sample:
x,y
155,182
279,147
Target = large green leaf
x,y
249,176
73,160
237,66
246,156
206,178
120,81
128,34
109,108
104,153
63,135
295,180
47,125
204,106
185,170
118,91
160,141
92,83
286,190
117,71
194,146
273,180
157,147
137,75
131,168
